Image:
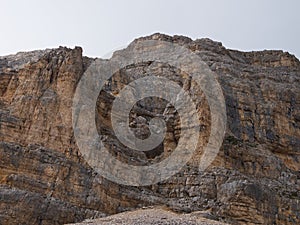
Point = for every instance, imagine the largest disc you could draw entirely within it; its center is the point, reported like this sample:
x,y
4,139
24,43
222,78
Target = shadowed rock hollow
x,y
255,178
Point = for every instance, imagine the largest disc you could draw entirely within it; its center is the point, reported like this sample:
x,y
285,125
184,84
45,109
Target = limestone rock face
x,y
255,178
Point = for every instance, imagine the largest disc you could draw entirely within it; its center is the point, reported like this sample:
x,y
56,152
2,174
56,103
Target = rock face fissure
x,y
255,179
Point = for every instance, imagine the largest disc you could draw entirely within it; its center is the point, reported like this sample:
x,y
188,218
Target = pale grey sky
x,y
101,26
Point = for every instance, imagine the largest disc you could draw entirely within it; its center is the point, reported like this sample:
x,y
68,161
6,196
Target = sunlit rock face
x,y
255,178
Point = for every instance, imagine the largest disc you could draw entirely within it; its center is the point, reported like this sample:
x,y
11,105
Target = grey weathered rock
x,y
19,60
153,216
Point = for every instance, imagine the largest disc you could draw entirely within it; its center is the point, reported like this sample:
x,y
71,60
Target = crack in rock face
x,y
146,109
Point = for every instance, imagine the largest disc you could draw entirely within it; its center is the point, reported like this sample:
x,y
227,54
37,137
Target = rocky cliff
x,y
255,179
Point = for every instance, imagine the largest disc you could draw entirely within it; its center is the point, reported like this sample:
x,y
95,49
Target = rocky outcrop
x,y
254,180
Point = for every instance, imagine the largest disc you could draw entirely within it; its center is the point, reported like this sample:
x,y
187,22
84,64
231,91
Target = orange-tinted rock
x,y
255,178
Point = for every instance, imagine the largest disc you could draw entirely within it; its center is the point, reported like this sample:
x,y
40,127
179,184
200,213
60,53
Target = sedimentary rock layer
x,y
254,180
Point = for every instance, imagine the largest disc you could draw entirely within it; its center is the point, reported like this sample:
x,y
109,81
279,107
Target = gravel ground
x,y
154,216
